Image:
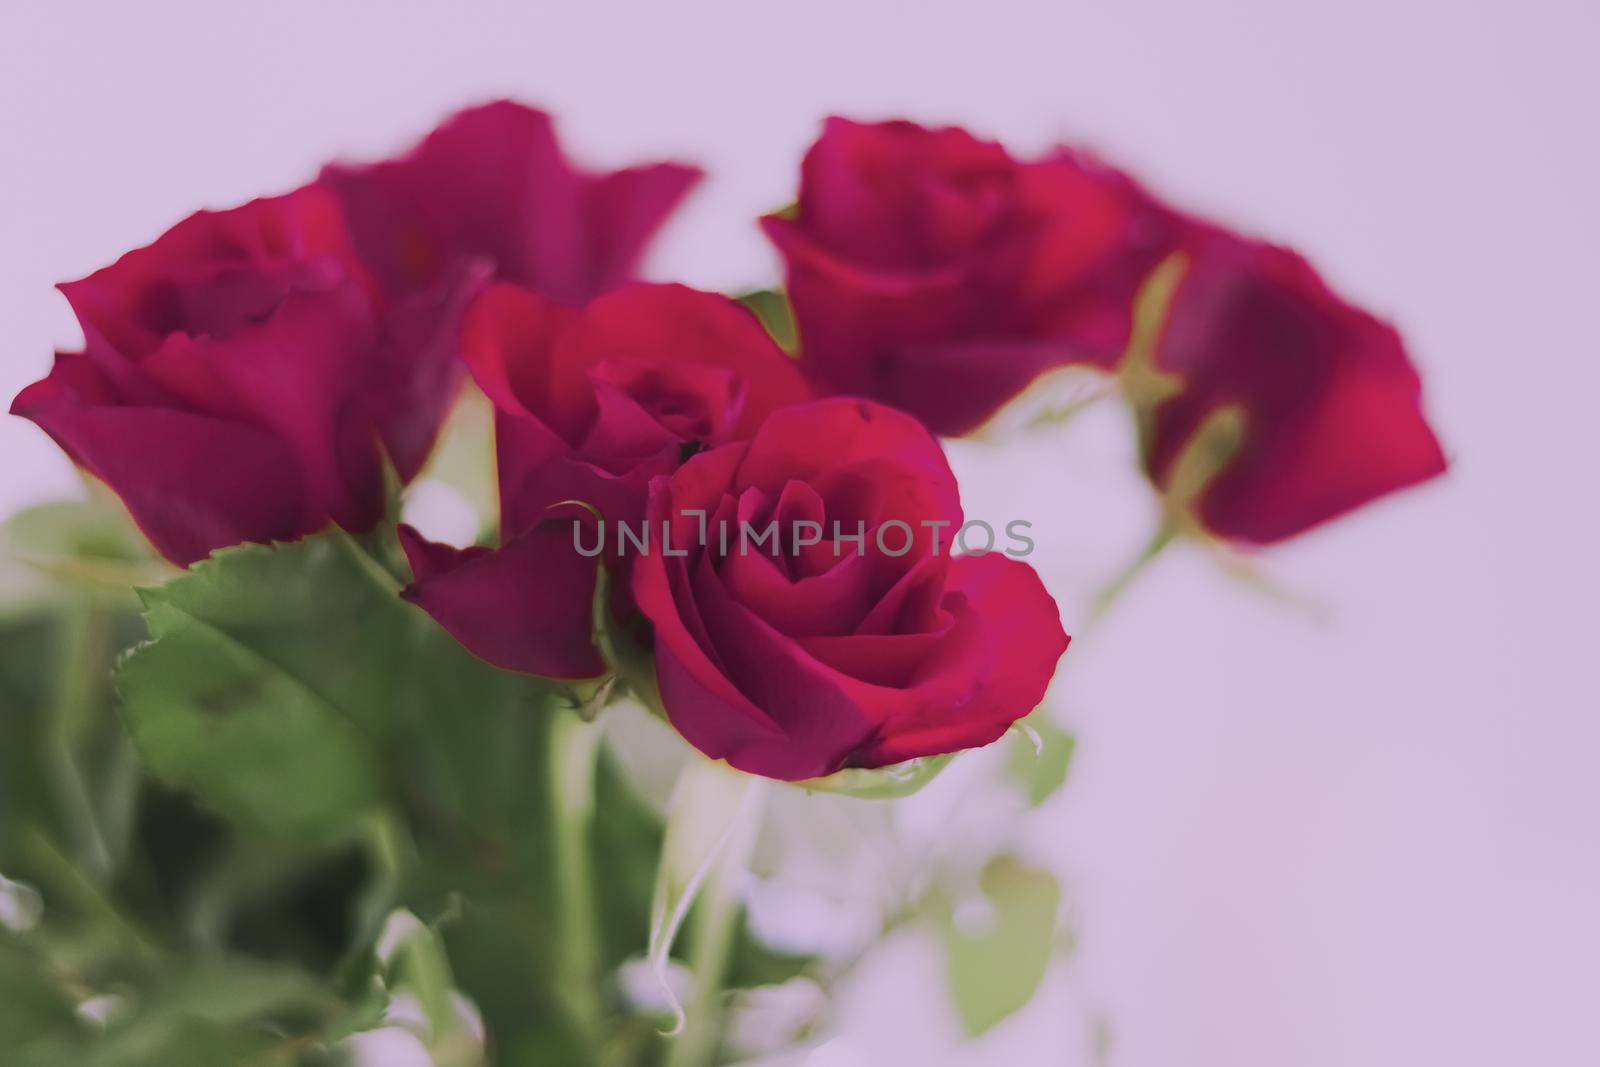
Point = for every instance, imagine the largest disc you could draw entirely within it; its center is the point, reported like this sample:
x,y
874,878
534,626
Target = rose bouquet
x,y
290,775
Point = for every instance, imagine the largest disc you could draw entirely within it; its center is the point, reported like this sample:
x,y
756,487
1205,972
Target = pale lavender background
x,y
1370,841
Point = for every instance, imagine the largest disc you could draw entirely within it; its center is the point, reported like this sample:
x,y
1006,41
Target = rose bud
x,y
934,272
491,181
244,377
797,657
590,404
1277,405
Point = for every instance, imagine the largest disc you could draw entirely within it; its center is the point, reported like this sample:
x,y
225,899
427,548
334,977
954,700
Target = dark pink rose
x,y
934,272
1328,401
492,182
590,404
244,377
799,658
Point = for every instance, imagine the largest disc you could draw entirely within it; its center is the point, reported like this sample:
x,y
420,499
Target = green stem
x,y
1060,416
57,869
574,751
1114,590
716,917
83,671
390,845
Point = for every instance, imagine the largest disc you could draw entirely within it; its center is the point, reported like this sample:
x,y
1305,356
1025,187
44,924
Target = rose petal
x,y
835,445
862,186
765,671
247,259
820,722
1331,402
526,606
930,270
415,374
492,181
1009,632
624,209
832,601
193,483
509,341
299,373
673,325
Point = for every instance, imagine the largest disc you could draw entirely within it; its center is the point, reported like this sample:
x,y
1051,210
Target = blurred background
x,y
1359,832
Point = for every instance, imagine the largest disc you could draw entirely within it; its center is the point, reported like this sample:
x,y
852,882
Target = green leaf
x,y
322,610
66,769
88,547
772,307
28,650
292,689
223,1012
881,783
81,528
32,1004
268,685
237,992
210,1012
1040,770
250,739
996,959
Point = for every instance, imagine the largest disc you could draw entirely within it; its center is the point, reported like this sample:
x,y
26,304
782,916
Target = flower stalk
x,y
574,752
735,801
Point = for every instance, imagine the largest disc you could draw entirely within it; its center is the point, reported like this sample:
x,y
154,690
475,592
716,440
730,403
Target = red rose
x,y
835,654
934,272
491,181
243,376
1329,401
590,404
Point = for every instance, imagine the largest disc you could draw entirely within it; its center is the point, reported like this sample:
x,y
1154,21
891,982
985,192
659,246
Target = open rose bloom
x,y
244,378
590,404
934,272
388,777
838,642
1328,404
247,376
